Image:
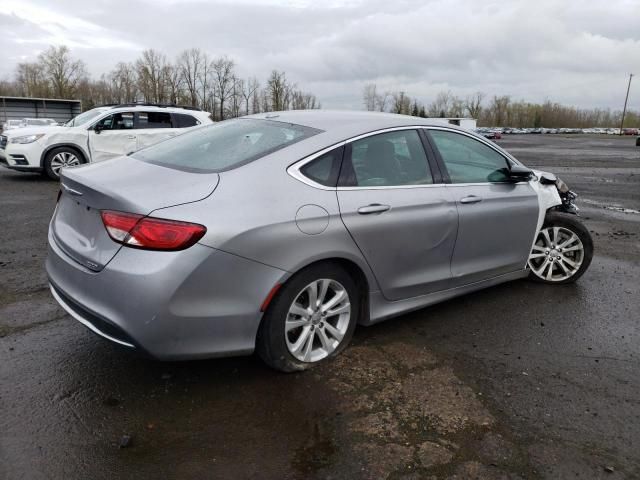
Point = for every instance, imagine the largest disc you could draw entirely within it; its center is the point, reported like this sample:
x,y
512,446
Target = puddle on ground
x,y
614,207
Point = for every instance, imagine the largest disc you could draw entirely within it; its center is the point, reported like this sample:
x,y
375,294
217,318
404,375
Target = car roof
x,y
348,120
153,108
338,125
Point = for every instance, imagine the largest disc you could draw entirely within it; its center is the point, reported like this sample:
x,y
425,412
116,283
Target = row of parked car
x,y
497,132
28,122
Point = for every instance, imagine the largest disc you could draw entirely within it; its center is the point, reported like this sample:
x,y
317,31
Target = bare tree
x,y
441,105
190,64
31,80
370,96
381,101
303,101
401,103
473,104
204,82
248,91
224,81
277,91
498,109
151,75
62,72
172,79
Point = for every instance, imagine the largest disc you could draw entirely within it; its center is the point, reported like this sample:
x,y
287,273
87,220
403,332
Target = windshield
x,y
225,145
84,117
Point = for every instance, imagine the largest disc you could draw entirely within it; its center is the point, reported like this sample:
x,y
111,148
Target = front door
x,y
404,224
497,217
113,136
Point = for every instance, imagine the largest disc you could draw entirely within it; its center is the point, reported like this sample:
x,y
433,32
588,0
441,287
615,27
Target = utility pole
x,y
624,110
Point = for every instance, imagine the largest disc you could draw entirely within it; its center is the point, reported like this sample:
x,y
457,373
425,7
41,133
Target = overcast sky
x,y
574,52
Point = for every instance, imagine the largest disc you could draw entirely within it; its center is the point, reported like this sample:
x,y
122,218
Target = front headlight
x,y
561,186
27,138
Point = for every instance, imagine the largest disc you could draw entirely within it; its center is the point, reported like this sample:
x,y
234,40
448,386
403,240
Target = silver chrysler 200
x,y
280,232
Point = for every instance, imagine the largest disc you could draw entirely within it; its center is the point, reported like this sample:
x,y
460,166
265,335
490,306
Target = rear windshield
x,y
225,145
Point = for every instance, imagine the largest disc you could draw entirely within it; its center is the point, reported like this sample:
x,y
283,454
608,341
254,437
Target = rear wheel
x,y
562,252
60,158
311,319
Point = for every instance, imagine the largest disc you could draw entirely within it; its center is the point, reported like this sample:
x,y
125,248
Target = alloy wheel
x,y
557,254
318,320
62,160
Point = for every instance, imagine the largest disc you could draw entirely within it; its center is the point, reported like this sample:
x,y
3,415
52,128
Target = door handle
x,y
131,137
373,208
471,199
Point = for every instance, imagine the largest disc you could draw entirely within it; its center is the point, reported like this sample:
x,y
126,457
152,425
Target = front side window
x,y
468,160
117,121
153,120
385,160
225,145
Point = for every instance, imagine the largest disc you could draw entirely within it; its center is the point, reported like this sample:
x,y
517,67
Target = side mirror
x,y
518,173
97,128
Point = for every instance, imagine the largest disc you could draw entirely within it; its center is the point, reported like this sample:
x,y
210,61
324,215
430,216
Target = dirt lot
x,y
518,381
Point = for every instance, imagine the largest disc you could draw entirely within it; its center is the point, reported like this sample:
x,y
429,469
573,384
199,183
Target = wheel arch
x,y
355,271
71,146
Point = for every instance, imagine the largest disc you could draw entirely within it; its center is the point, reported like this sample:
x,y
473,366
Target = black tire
x,y
573,224
51,172
271,345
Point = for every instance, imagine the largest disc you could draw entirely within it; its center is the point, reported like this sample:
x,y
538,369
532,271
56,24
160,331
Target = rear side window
x,y
468,160
324,169
153,120
225,145
386,160
181,120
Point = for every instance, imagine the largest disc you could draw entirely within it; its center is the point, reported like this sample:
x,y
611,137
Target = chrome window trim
x,y
294,169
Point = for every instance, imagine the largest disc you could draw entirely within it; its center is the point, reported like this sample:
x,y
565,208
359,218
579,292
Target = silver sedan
x,y
280,232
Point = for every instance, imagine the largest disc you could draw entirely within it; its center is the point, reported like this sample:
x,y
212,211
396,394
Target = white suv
x,y
94,135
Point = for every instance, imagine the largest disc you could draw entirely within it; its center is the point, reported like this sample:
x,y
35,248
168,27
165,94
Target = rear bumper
x,y
197,303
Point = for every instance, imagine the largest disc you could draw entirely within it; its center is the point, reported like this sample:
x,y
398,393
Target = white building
x,y
468,123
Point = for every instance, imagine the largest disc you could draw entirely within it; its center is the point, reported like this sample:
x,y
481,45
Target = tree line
x,y
194,78
496,111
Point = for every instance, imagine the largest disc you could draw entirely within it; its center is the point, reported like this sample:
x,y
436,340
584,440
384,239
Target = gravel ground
x,y
517,381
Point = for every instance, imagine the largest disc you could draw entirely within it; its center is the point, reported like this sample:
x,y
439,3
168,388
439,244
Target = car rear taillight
x,y
150,233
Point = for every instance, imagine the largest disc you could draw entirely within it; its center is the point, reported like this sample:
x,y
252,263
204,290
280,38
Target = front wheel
x,y
311,319
562,252
60,158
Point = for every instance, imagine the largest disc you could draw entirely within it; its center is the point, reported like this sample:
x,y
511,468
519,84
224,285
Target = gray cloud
x,y
573,52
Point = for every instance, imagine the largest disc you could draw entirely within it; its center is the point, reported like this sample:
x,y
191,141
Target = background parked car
x,y
39,122
95,135
11,124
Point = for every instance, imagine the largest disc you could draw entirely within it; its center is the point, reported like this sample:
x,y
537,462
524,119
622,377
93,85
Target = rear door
x,y
153,127
497,217
400,215
114,137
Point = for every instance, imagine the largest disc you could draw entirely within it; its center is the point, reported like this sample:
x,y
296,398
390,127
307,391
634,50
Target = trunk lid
x,y
123,184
